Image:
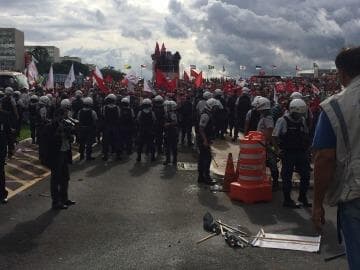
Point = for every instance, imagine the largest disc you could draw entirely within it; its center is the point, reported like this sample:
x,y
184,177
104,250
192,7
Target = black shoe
x,y
82,157
304,201
105,158
209,181
291,204
153,159
69,202
138,159
166,162
174,162
275,186
59,206
90,158
4,201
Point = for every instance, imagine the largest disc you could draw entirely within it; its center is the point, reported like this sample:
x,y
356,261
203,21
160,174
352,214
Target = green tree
x,y
42,56
64,68
117,75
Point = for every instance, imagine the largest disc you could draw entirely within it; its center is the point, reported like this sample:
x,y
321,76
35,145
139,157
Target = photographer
x,y
60,136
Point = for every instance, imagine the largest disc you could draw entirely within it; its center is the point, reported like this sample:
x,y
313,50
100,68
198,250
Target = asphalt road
x,y
147,216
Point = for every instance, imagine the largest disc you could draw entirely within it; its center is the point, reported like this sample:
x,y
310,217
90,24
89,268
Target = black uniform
x,y
242,107
33,118
76,105
58,156
159,112
220,119
204,159
186,121
111,132
127,123
9,106
146,133
171,136
87,131
231,112
295,144
5,135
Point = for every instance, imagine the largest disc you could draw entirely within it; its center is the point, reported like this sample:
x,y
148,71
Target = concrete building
x,y
70,58
12,49
54,52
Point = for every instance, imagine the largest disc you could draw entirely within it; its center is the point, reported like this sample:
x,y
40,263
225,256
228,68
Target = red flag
x,y
290,87
280,87
160,79
124,82
199,80
186,77
314,89
108,79
157,49
193,73
100,81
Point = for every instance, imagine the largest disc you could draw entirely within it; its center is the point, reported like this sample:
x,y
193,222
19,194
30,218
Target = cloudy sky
x,y
206,32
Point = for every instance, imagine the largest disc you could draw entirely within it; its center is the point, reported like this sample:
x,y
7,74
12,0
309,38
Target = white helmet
x,y
297,106
211,103
44,100
49,96
158,98
9,91
173,105
296,95
246,91
78,93
255,101
34,98
2,93
263,104
218,92
88,101
125,100
146,101
111,97
65,104
17,93
207,95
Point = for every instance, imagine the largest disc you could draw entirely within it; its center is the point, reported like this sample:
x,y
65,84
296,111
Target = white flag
x,y
131,77
50,79
147,88
242,67
32,73
70,79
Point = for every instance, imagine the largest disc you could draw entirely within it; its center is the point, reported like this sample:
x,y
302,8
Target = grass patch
x,y
24,132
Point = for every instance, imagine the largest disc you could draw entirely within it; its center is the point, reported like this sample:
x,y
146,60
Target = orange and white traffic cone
x,y
230,175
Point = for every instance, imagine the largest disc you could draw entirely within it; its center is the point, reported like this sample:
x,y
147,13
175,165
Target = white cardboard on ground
x,y
297,242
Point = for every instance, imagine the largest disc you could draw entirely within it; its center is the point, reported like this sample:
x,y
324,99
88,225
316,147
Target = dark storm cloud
x,y
281,32
173,29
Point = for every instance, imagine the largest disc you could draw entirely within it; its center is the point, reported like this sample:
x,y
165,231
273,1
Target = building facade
x,y
12,49
54,52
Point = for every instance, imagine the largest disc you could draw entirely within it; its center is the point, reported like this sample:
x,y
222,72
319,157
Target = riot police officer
x,y
204,137
87,129
220,118
33,111
77,104
127,122
171,132
5,135
159,111
42,120
146,121
186,120
111,138
292,136
9,105
242,106
59,137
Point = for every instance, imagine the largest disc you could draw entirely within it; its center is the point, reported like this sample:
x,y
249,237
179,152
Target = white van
x,y
16,80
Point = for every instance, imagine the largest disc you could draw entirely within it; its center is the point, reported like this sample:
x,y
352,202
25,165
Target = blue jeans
x,y
349,223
